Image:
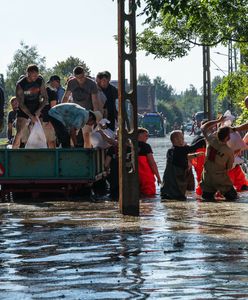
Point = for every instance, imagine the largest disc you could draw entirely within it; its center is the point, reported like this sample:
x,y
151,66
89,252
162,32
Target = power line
x,y
219,68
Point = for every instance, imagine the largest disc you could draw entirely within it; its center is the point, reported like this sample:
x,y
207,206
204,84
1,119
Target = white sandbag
x,y
97,141
236,142
229,118
37,138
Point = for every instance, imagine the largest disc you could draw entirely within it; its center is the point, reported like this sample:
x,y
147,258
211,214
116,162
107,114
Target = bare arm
x,y
20,98
210,124
53,103
242,127
87,141
96,102
195,155
153,166
73,136
44,102
66,96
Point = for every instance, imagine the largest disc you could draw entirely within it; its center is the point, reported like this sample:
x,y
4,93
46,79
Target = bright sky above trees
x,y
85,29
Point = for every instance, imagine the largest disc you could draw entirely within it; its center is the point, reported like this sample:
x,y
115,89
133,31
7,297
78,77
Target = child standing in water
x,y
176,174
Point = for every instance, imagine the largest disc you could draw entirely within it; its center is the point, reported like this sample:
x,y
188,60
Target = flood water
x,y
58,249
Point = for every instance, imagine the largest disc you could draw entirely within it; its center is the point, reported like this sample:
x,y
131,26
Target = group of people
x,y
83,114
215,157
78,108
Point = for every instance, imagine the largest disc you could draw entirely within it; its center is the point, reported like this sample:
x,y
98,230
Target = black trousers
x,y
61,131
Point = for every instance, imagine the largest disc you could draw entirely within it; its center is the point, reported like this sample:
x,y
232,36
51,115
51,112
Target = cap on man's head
x,y
54,78
97,114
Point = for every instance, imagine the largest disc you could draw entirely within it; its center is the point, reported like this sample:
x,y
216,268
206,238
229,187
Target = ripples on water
x,y
83,250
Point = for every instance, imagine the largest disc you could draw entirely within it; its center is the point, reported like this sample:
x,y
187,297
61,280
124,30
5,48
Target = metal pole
x,y
235,59
230,69
230,58
207,83
127,114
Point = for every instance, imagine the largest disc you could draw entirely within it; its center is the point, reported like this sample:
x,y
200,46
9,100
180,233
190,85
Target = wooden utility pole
x,y
127,109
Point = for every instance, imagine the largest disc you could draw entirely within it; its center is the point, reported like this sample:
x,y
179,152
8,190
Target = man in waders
x,y
219,159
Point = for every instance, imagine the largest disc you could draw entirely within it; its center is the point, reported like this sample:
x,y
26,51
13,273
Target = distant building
x,y
146,99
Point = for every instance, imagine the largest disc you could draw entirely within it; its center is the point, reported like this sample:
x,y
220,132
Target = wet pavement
x,y
83,250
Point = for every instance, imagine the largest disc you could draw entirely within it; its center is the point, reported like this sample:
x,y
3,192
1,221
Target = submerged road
x,y
56,249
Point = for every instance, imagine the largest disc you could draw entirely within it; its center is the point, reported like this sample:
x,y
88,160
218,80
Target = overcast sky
x,y
85,29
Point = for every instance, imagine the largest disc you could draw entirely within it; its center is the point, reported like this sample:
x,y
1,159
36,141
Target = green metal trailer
x,y
46,170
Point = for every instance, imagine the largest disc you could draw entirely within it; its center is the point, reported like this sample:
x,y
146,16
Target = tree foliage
x,y
64,68
172,113
163,91
175,26
190,102
144,79
234,88
24,56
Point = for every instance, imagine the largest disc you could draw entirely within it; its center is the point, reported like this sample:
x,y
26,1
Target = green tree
x,y
163,91
144,79
22,58
234,87
64,68
172,113
190,102
166,110
218,106
174,27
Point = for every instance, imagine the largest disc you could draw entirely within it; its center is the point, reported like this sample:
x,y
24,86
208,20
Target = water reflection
x,y
83,250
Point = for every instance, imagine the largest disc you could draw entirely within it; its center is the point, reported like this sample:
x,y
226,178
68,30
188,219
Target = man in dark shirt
x,y
32,97
111,94
1,108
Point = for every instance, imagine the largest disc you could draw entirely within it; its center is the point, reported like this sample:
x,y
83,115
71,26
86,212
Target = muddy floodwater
x,y
79,249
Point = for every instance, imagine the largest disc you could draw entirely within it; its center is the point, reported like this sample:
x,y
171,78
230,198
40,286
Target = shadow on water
x,y
83,250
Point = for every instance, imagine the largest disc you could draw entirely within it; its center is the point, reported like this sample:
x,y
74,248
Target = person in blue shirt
x,y
66,118
54,82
